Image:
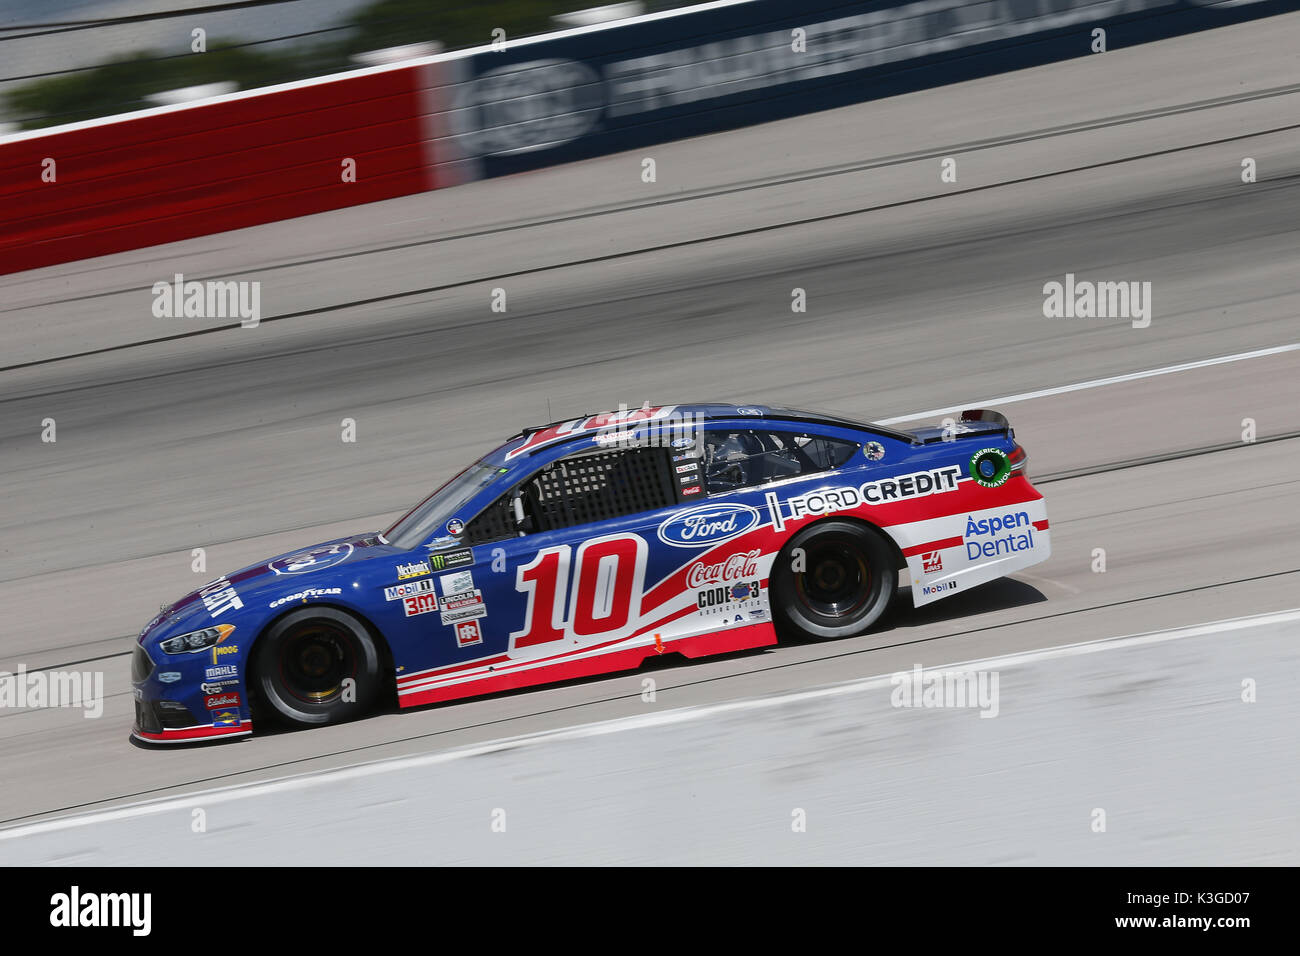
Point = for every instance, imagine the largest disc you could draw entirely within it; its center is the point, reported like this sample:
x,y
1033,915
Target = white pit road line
x,y
1095,383
681,715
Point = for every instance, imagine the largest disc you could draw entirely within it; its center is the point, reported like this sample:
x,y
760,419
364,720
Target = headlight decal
x,y
196,641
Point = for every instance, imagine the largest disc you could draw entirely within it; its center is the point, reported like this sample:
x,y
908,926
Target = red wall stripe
x,y
210,168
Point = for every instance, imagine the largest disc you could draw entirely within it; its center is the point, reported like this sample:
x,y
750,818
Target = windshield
x,y
430,517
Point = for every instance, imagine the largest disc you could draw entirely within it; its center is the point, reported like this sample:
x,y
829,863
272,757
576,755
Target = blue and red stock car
x,y
586,546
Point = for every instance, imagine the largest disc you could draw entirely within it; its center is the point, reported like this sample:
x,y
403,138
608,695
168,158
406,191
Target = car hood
x,y
276,575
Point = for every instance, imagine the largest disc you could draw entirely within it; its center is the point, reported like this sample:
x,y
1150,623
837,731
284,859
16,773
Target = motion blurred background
x,y
70,60
1171,159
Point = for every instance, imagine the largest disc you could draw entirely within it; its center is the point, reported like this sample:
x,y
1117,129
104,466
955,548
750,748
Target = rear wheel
x,y
317,665
833,579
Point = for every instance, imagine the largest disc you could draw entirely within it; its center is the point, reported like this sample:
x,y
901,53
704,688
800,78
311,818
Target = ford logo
x,y
707,524
525,106
321,556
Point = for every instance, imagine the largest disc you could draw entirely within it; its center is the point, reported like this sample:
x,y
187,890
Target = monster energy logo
x,y
452,559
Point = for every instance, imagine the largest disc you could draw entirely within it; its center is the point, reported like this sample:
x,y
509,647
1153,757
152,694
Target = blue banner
x,y
568,97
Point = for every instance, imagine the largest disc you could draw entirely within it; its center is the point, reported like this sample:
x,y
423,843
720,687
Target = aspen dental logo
x,y
53,689
208,299
1084,299
939,689
985,539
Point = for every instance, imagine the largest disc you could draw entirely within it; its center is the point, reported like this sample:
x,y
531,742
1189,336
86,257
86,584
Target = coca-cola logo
x,y
735,568
708,524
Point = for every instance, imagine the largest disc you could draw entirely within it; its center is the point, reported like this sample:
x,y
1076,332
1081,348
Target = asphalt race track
x,y
922,296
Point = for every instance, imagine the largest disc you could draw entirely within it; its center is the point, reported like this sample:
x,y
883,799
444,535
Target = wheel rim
x,y
315,658
837,583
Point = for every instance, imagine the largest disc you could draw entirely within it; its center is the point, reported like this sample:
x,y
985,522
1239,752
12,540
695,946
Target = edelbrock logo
x,y
708,524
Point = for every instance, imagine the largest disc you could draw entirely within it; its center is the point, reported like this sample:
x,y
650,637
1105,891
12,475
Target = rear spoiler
x,y
986,415
983,422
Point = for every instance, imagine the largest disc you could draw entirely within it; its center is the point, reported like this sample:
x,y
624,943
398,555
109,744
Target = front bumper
x,y
181,709
152,726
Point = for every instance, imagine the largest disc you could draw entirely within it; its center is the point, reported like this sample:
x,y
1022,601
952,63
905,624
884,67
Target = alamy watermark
x,y
23,689
935,688
645,427
208,299
1085,299
76,908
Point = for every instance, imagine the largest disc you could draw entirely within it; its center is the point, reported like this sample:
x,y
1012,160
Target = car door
x,y
570,577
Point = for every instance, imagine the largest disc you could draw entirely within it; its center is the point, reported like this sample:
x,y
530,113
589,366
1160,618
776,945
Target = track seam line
x,y
824,172
680,244
638,722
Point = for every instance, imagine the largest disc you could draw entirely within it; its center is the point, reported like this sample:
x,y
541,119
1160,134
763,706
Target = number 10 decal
x,y
602,595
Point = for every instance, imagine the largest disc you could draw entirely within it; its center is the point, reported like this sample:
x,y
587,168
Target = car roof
x,y
538,437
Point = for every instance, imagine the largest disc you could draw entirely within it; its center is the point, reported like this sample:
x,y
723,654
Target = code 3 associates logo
x,y
77,909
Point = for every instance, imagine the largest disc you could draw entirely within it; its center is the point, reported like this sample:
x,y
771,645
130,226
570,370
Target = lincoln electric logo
x,y
707,525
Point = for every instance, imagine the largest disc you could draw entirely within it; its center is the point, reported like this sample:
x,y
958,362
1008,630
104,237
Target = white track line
x,y
1095,383
677,716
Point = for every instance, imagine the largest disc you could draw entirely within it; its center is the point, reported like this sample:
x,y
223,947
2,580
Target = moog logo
x,y
707,525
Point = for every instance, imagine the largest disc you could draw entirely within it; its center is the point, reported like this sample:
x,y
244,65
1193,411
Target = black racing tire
x,y
847,582
301,662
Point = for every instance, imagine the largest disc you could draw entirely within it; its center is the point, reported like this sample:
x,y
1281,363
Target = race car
x,y
586,546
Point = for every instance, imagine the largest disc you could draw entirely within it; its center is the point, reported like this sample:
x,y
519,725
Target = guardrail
x,y
176,172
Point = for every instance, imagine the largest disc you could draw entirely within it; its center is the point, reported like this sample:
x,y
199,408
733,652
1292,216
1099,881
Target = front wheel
x,y
317,666
833,579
